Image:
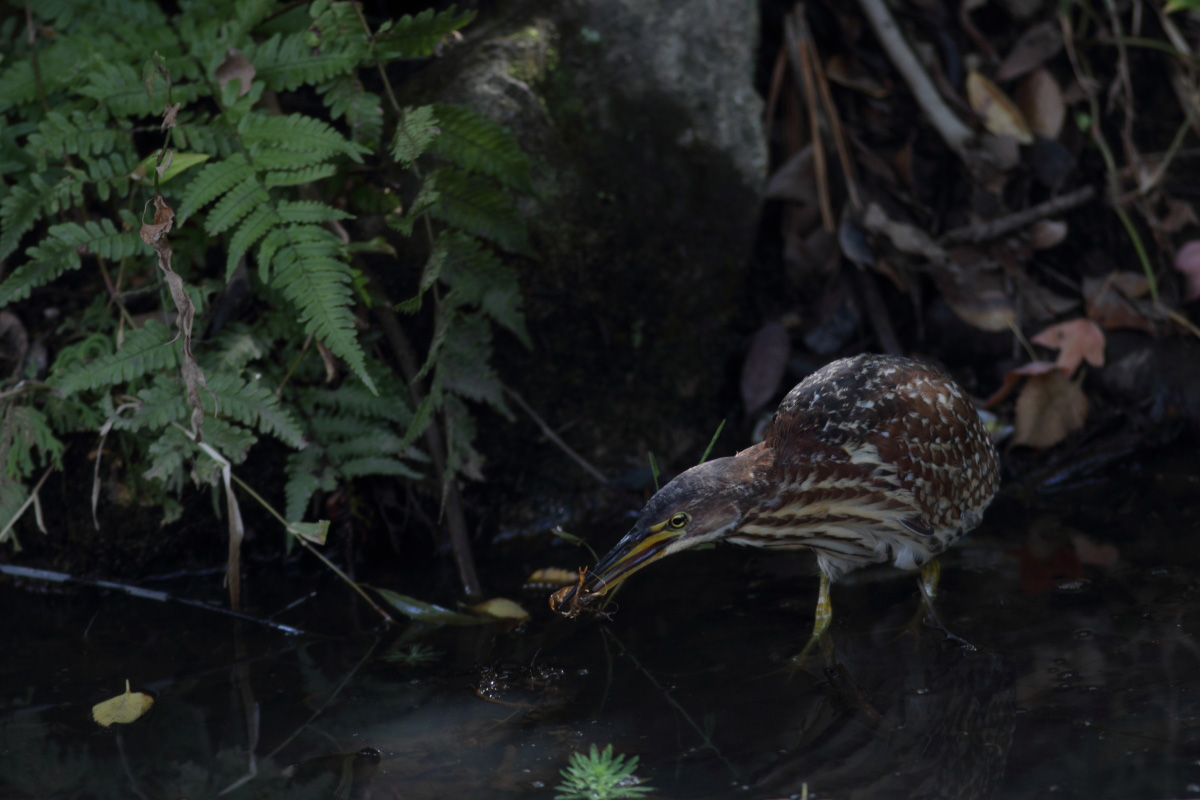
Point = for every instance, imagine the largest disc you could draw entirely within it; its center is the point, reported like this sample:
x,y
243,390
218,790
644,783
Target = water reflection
x,y
1086,682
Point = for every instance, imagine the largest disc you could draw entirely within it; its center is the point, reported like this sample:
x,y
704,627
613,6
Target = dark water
x,y
1085,681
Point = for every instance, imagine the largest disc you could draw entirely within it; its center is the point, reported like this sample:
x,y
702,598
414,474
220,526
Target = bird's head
x,y
701,505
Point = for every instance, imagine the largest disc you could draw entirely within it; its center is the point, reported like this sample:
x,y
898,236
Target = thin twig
x,y
982,232
802,73
831,111
953,131
549,433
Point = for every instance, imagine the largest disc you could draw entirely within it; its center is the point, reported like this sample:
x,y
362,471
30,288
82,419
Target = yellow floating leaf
x,y
500,608
999,114
122,709
550,577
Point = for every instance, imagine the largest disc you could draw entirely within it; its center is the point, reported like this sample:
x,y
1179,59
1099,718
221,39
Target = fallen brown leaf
x,y
1040,100
997,112
1035,47
1113,302
236,66
763,369
1076,340
1049,408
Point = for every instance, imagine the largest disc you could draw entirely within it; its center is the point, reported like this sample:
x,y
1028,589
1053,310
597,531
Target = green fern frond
x,y
372,444
419,36
194,134
391,467
161,403
299,177
298,133
475,204
255,226
232,441
19,211
146,349
417,129
362,110
27,430
309,268
477,144
165,456
119,88
464,362
350,400
60,251
306,474
255,406
236,204
476,277
77,134
289,62
214,180
233,348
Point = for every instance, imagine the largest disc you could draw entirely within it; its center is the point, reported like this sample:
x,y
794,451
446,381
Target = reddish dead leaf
x,y
1035,47
997,112
1187,262
1013,378
1040,100
1076,340
1049,408
236,66
1112,302
764,366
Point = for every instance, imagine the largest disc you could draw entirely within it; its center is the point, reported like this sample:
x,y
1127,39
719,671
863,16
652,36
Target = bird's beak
x,y
639,548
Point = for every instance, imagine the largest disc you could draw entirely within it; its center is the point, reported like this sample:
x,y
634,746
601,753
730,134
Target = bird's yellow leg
x,y
930,573
821,619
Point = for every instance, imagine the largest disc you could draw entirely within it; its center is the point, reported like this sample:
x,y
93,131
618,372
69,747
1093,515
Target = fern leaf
x,y
306,474
374,443
308,267
362,110
300,176
119,87
29,430
166,454
352,404
233,348
255,226
79,134
240,201
289,62
419,36
302,211
162,403
377,465
477,144
19,211
60,251
416,131
476,276
297,133
255,406
464,363
232,441
212,182
146,349
475,204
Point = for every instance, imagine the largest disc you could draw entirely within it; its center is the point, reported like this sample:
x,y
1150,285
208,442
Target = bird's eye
x,y
679,520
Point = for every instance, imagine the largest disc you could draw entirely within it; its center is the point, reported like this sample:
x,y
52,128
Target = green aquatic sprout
x,y
600,776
